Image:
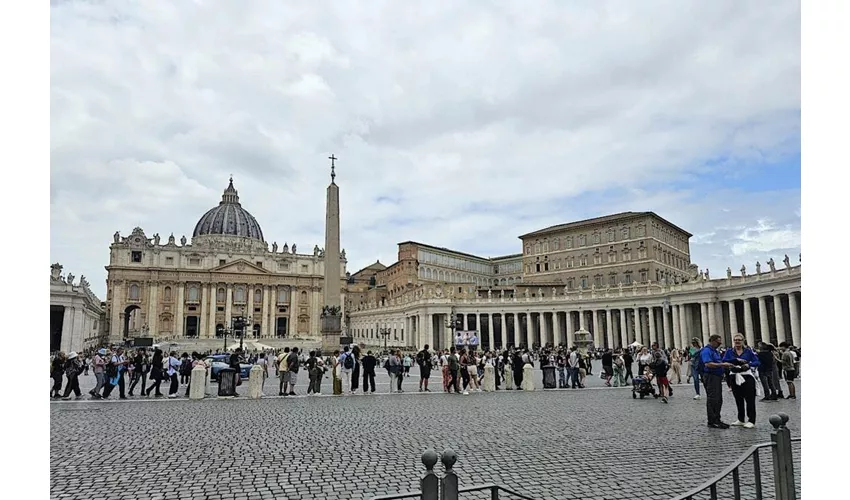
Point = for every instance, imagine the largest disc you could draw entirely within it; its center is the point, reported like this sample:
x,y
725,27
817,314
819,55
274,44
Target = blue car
x,y
219,362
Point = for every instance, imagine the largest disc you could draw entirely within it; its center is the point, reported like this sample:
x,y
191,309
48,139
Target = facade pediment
x,y
240,266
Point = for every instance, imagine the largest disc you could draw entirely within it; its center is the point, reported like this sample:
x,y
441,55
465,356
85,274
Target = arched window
x,y
283,295
303,297
134,292
239,295
219,295
193,293
167,294
258,296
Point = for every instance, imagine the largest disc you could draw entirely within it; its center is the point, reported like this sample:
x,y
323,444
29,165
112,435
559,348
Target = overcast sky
x,y
457,124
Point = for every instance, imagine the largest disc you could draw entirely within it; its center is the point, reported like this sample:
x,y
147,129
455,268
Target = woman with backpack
x,y
72,371
185,368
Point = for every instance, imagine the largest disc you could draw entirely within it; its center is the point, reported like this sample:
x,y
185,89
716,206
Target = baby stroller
x,y
643,385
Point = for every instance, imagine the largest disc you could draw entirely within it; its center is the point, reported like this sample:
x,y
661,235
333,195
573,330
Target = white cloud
x,y
480,121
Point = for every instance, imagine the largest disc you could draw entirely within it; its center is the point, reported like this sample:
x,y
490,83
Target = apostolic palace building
x,y
623,278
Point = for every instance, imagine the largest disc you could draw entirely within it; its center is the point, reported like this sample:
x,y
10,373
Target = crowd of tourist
x,y
463,369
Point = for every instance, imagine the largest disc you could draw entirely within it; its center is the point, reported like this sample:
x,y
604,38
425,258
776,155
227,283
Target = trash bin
x,y
549,377
227,382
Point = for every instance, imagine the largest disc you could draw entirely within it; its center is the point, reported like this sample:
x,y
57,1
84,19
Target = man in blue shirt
x,y
713,380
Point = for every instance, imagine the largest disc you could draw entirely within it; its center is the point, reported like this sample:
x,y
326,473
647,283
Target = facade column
x,y
465,323
780,320
556,329
179,327
228,306
273,310
748,323
570,328
529,332
795,319
704,322
491,335
79,329
712,320
203,328
67,330
677,337
624,329
504,320
650,315
249,310
598,338
763,321
153,297
639,327
609,327
668,331
264,315
213,309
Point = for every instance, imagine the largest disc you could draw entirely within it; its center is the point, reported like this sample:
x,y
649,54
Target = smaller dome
x,y
229,218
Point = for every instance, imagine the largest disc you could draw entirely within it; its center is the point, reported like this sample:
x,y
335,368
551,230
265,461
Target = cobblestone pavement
x,y
553,444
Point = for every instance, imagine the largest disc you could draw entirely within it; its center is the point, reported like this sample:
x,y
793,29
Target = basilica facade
x,y
176,289
623,277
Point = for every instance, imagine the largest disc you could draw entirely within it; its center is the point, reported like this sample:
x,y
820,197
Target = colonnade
x,y
671,324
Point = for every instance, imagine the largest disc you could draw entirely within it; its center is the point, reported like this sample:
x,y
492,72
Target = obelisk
x,y
332,312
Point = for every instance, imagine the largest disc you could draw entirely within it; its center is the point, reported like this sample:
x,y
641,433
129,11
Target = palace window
x,y
556,244
193,293
612,257
304,268
220,295
626,233
627,279
569,242
597,280
136,256
643,276
283,295
169,261
195,262
259,263
134,292
596,238
258,296
283,266
582,240
571,283
303,297
597,258
641,231
610,235
584,281
167,294
612,279
222,262
239,295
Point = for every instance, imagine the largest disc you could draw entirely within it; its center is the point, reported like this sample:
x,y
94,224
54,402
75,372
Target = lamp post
x,y
452,324
225,331
384,332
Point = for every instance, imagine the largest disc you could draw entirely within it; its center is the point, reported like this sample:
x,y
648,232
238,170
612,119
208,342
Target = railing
x,y
447,488
784,482
783,468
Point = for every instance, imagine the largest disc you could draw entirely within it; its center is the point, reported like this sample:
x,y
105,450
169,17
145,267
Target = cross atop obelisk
x,y
332,310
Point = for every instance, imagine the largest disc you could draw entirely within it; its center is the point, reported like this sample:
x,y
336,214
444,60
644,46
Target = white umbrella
x,y
635,344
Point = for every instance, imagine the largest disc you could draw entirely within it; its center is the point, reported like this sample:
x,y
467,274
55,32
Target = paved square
x,y
594,443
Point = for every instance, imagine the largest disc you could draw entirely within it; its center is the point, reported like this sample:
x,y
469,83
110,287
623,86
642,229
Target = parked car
x,y
219,362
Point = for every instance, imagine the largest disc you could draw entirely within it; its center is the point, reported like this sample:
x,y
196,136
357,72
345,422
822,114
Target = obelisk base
x,y
331,333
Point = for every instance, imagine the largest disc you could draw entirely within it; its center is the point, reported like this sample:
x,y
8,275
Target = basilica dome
x,y
229,219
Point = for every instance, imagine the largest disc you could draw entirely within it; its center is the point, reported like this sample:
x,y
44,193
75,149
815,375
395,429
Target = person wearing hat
x,y
72,371
98,364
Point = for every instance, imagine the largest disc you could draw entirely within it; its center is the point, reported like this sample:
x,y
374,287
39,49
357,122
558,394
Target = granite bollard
x,y
489,382
255,382
527,377
198,383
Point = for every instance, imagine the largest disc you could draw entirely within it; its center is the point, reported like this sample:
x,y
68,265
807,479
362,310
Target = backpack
x,y
111,370
186,367
420,358
700,366
348,362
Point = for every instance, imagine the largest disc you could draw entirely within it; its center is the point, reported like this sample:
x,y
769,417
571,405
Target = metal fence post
x,y
783,460
430,483
449,484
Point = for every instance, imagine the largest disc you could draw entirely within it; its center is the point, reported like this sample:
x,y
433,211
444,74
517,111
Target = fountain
x,y
582,340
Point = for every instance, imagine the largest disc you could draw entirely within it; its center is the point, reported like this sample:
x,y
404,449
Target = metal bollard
x,y
449,483
783,460
430,483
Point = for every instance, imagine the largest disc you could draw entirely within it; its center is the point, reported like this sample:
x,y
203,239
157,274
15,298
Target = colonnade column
x,y
491,335
609,326
178,322
764,325
712,319
465,323
556,329
677,338
544,330
210,333
597,331
668,331
529,333
748,323
570,328
624,331
582,321
733,317
639,326
704,322
780,321
504,321
795,319
650,315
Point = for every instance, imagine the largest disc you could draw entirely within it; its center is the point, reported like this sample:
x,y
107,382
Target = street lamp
x,y
453,324
384,332
226,332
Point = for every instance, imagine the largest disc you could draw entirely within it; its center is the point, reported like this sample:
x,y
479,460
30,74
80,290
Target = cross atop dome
x,y
333,160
